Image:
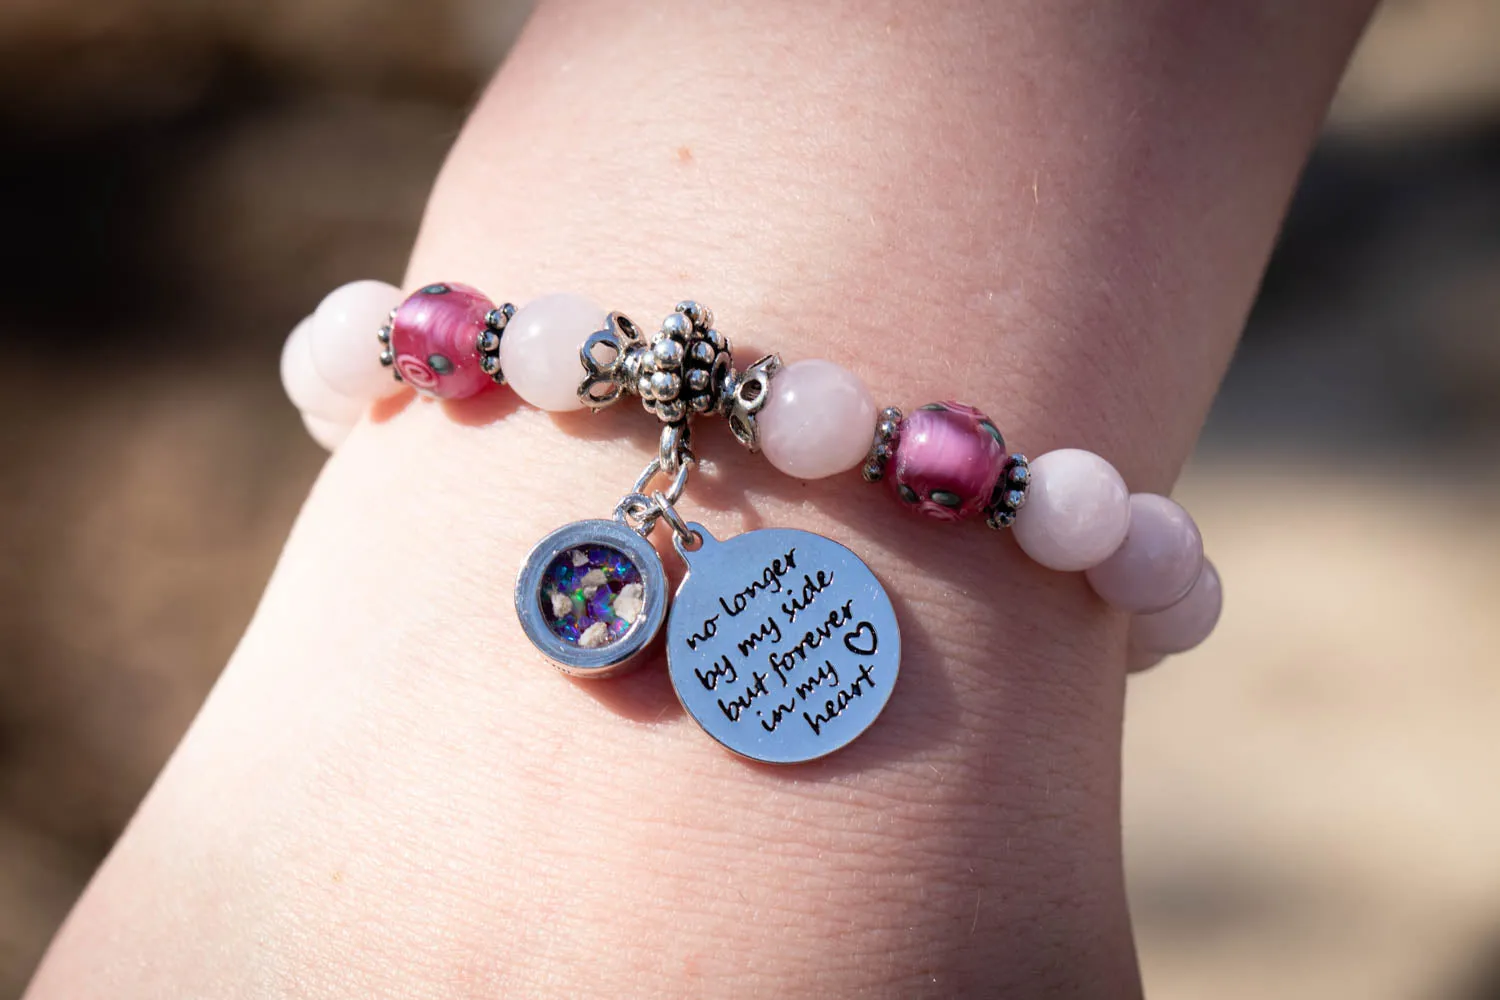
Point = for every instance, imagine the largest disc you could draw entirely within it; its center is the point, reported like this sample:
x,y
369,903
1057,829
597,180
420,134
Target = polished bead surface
x,y
434,340
328,433
1157,563
344,349
1185,624
1077,511
306,388
541,350
948,459
817,420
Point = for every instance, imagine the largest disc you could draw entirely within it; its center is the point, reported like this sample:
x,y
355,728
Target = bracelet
x,y
780,643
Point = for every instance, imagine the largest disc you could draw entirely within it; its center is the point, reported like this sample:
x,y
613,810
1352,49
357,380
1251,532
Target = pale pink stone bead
x,y
1137,660
818,420
345,350
1158,562
540,351
1077,511
1183,625
306,388
328,433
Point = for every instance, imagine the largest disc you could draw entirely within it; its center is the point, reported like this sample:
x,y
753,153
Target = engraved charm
x,y
781,643
591,596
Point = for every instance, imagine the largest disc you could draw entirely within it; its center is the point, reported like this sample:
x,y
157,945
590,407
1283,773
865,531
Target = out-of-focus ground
x,y
1312,806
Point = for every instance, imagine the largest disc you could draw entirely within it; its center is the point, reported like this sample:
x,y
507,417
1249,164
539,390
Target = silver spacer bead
x,y
1010,493
487,343
742,395
887,436
682,369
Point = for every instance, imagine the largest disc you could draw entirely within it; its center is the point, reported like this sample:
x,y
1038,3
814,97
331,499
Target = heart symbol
x,y
849,640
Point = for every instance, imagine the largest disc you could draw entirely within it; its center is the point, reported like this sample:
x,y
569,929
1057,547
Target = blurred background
x,y
1312,799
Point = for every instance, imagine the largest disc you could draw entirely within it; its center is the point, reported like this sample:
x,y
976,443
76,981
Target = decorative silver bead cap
x,y
887,436
488,341
744,395
1010,493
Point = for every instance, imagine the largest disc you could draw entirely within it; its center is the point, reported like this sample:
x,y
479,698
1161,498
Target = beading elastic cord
x,y
781,643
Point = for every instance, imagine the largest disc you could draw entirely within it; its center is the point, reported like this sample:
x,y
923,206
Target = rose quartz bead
x,y
344,349
1137,660
306,388
1158,562
1077,511
1183,625
948,459
818,420
540,352
433,340
328,433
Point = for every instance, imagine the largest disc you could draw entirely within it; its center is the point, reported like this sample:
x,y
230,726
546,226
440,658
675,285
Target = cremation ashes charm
x,y
591,596
782,644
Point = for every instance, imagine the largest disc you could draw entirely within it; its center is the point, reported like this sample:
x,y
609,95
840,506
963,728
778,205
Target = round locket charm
x,y
592,595
781,643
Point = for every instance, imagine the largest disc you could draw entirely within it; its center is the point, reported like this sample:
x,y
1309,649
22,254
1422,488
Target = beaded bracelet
x,y
780,643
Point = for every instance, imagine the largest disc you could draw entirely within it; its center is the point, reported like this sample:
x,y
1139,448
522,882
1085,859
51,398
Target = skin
x,y
1056,211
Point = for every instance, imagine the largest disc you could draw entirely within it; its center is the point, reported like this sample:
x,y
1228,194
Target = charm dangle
x,y
593,594
782,644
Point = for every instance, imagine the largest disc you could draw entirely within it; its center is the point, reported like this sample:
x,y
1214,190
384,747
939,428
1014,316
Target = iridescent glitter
x,y
591,595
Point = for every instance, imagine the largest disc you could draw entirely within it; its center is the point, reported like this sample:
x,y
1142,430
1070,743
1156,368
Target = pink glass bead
x,y
541,352
1158,562
1183,625
948,459
1077,511
817,421
433,340
342,339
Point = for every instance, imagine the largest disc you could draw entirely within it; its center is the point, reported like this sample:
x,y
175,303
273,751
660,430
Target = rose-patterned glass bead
x,y
948,459
433,340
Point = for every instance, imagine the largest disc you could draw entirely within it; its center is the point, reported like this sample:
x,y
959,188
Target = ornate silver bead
x,y
682,370
742,396
1010,493
887,436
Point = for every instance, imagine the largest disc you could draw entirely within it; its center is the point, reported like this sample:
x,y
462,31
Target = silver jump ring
x,y
679,527
673,446
639,512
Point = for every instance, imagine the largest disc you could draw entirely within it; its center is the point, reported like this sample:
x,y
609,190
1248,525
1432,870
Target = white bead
x,y
328,433
540,351
1077,511
1185,624
344,349
1157,563
306,388
818,420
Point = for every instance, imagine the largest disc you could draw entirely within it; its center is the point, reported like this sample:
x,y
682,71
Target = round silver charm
x,y
781,644
592,595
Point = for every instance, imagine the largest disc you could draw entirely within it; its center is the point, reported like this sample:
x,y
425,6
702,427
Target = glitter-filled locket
x,y
591,596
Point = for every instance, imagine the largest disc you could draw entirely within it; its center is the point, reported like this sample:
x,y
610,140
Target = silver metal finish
x,y
887,436
607,376
1010,493
487,343
614,657
682,370
744,395
781,644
